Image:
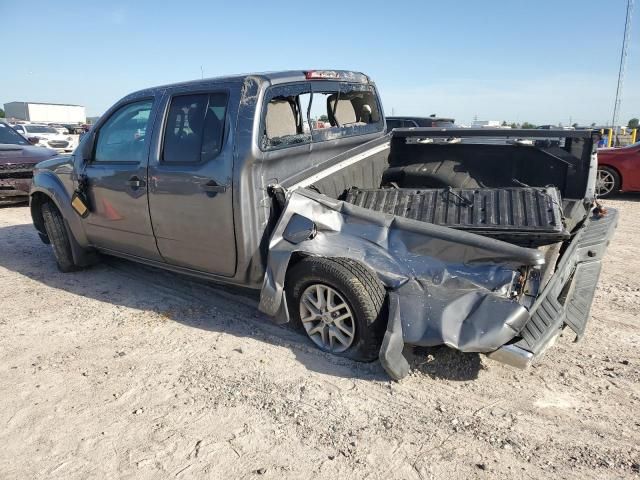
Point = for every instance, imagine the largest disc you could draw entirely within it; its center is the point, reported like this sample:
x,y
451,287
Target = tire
x,y
608,182
357,288
57,233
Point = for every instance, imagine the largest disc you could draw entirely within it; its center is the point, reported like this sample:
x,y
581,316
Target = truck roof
x,y
44,103
284,76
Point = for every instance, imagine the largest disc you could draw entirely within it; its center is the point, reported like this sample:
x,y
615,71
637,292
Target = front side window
x,y
194,129
122,137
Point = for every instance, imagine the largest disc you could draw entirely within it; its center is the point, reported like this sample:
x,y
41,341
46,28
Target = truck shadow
x,y
12,202
442,362
203,305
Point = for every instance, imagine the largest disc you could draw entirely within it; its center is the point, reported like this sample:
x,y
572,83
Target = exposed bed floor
x,y
525,216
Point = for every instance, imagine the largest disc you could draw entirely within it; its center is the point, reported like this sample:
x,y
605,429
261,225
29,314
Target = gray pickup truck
x,y
367,240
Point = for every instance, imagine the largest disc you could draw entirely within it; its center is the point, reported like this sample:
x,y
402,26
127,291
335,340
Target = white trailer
x,y
45,112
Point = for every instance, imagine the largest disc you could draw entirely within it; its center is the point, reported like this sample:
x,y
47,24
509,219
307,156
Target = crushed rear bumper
x,y
565,301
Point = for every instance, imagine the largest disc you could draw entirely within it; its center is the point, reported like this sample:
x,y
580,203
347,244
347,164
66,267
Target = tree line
x,y
633,123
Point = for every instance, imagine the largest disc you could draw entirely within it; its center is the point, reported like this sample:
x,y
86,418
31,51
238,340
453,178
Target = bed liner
x,y
526,216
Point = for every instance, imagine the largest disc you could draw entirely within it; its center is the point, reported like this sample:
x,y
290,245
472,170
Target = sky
x,y
542,61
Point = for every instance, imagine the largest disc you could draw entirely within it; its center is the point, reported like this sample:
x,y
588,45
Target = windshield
x,y
39,129
9,136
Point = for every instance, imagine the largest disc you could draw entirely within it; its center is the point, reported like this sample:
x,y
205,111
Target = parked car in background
x,y
618,170
48,137
408,122
428,122
75,128
61,129
17,159
554,127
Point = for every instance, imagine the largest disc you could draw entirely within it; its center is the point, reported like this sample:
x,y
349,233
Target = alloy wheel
x,y
604,183
327,318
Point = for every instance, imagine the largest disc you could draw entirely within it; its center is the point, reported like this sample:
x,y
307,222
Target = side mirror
x,y
33,140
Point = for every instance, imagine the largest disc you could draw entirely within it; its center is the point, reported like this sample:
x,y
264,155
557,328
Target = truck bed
x,y
524,216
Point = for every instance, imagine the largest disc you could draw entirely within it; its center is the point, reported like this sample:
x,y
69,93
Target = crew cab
x,y
368,240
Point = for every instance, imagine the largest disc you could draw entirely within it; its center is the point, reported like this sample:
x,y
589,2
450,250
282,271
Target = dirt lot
x,y
122,371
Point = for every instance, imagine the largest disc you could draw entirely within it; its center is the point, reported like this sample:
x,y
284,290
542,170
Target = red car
x,y
618,170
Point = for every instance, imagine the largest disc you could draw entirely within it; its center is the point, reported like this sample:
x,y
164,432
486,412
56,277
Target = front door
x,y
190,190
117,175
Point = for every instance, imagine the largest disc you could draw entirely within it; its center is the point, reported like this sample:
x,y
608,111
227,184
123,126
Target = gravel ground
x,y
123,371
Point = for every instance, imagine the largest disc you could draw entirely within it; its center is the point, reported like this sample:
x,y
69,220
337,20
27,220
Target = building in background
x,y
44,112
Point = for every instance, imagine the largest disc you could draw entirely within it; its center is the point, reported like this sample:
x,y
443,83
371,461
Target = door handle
x,y
135,182
214,187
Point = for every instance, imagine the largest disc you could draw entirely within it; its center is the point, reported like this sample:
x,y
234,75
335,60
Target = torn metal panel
x,y
453,287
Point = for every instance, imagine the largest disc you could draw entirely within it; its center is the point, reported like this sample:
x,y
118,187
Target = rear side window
x,y
122,137
194,130
285,117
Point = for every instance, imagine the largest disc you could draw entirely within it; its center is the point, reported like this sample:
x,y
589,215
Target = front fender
x,y
49,183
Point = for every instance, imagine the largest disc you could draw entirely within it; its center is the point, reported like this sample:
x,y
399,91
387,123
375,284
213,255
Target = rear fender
x,y
458,283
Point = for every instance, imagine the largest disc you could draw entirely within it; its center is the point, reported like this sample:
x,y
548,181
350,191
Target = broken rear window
x,y
300,113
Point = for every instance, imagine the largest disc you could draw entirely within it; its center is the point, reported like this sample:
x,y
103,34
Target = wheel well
x,y
37,200
295,258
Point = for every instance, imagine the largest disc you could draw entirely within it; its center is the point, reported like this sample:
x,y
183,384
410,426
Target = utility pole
x,y
623,63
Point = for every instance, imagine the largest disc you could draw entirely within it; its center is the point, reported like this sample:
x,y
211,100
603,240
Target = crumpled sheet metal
x,y
451,285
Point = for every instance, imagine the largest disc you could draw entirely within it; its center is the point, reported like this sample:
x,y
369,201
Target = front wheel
x,y
607,182
340,304
58,237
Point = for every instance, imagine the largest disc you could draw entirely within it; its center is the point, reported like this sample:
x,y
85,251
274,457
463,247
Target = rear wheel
x,y
57,233
340,305
607,182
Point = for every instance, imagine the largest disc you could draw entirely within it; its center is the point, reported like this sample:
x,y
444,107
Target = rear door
x,y
190,191
117,174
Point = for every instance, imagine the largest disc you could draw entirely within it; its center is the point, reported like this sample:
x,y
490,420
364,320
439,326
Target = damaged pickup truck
x,y
369,241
